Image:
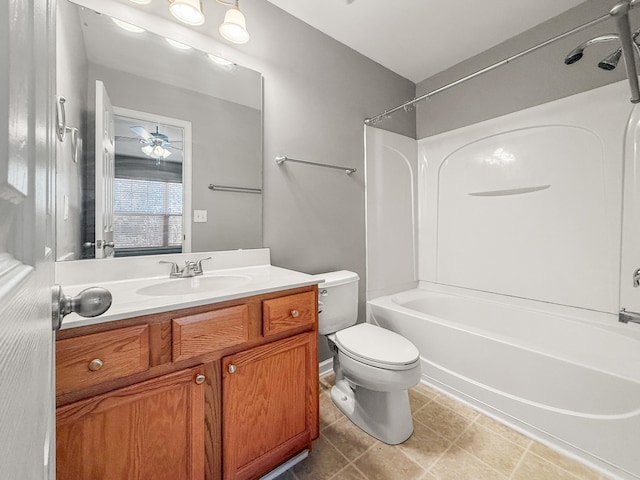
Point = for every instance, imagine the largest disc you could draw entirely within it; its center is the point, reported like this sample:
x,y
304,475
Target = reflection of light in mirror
x,y
179,45
127,26
499,157
219,60
156,151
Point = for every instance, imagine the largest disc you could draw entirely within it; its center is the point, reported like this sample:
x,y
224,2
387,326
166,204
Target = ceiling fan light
x,y
141,2
187,11
147,150
234,27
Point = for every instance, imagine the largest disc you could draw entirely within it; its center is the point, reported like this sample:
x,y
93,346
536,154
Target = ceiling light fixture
x,y
176,44
187,11
128,26
157,152
234,27
141,2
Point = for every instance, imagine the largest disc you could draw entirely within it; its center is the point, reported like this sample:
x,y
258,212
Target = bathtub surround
x,y
520,234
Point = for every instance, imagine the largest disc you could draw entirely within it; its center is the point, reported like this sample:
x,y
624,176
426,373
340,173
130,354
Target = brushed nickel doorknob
x,y
95,364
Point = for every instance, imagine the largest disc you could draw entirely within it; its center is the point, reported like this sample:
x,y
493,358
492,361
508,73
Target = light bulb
x,y
187,11
234,27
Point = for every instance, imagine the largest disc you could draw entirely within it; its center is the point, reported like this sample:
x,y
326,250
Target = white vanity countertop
x,y
127,302
228,275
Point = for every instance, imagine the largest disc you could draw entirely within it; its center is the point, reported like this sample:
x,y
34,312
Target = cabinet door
x,y
269,405
151,430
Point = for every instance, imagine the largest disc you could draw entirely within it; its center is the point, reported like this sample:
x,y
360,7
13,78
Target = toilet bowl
x,y
374,367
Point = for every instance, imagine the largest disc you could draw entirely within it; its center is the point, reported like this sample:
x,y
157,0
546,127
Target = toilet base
x,y
383,415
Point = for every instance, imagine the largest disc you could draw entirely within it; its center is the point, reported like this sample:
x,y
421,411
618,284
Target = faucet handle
x,y
199,264
174,266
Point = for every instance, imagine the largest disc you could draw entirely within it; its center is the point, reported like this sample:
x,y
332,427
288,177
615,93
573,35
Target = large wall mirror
x,y
162,151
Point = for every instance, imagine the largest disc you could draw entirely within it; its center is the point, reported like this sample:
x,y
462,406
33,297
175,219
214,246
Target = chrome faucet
x,y
190,269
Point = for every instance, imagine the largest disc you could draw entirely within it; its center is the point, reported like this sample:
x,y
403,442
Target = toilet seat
x,y
377,347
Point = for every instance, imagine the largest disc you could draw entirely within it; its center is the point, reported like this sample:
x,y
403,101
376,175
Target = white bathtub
x,y
568,377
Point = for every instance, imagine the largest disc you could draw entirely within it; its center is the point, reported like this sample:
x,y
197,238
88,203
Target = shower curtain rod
x,y
595,21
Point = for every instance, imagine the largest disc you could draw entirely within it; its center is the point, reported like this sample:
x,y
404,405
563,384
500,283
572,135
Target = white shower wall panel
x,y
391,197
529,204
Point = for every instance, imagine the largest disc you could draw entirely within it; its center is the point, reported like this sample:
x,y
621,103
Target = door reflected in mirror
x,y
171,94
152,158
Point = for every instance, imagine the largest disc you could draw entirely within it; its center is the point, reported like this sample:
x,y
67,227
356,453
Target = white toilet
x,y
374,367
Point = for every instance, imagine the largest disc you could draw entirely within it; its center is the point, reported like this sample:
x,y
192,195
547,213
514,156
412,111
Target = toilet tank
x,y
337,301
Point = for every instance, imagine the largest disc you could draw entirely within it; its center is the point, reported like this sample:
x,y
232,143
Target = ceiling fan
x,y
154,144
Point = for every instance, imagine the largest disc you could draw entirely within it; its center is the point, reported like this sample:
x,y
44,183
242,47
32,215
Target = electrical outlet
x,y
199,216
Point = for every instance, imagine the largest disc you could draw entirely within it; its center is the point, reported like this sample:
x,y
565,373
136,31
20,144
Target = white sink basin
x,y
187,286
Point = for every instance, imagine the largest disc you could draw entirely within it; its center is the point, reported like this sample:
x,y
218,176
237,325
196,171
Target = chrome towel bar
x,y
281,159
226,188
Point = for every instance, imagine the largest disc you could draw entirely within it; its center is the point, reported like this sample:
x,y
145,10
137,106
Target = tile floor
x,y
450,442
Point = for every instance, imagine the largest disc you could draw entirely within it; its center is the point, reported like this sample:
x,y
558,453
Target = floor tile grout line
x,y
451,444
359,471
529,440
454,443
494,433
334,446
524,454
558,466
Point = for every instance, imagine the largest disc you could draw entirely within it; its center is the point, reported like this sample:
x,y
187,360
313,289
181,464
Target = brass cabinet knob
x,y
232,369
200,379
95,364
295,313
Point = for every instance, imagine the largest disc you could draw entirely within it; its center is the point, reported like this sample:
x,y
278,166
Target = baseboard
x,y
326,366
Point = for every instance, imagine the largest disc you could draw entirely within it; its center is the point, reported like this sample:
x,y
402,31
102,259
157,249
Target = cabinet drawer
x,y
284,313
92,359
210,331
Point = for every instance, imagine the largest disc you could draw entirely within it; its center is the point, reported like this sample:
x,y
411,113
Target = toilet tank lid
x,y
333,279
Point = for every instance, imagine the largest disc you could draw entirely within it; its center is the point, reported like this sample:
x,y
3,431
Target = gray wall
x,y
317,93
537,78
226,141
71,83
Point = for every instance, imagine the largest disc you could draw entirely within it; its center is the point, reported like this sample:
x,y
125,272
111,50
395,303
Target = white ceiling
x,y
419,38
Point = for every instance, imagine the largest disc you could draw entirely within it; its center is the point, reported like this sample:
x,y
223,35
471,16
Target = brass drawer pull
x,y
95,364
295,313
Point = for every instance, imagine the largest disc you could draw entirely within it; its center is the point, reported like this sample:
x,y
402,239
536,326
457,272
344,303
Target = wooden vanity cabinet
x,y
150,430
269,405
227,390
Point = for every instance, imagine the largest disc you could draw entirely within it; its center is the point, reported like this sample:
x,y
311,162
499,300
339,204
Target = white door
x,y
26,239
105,170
